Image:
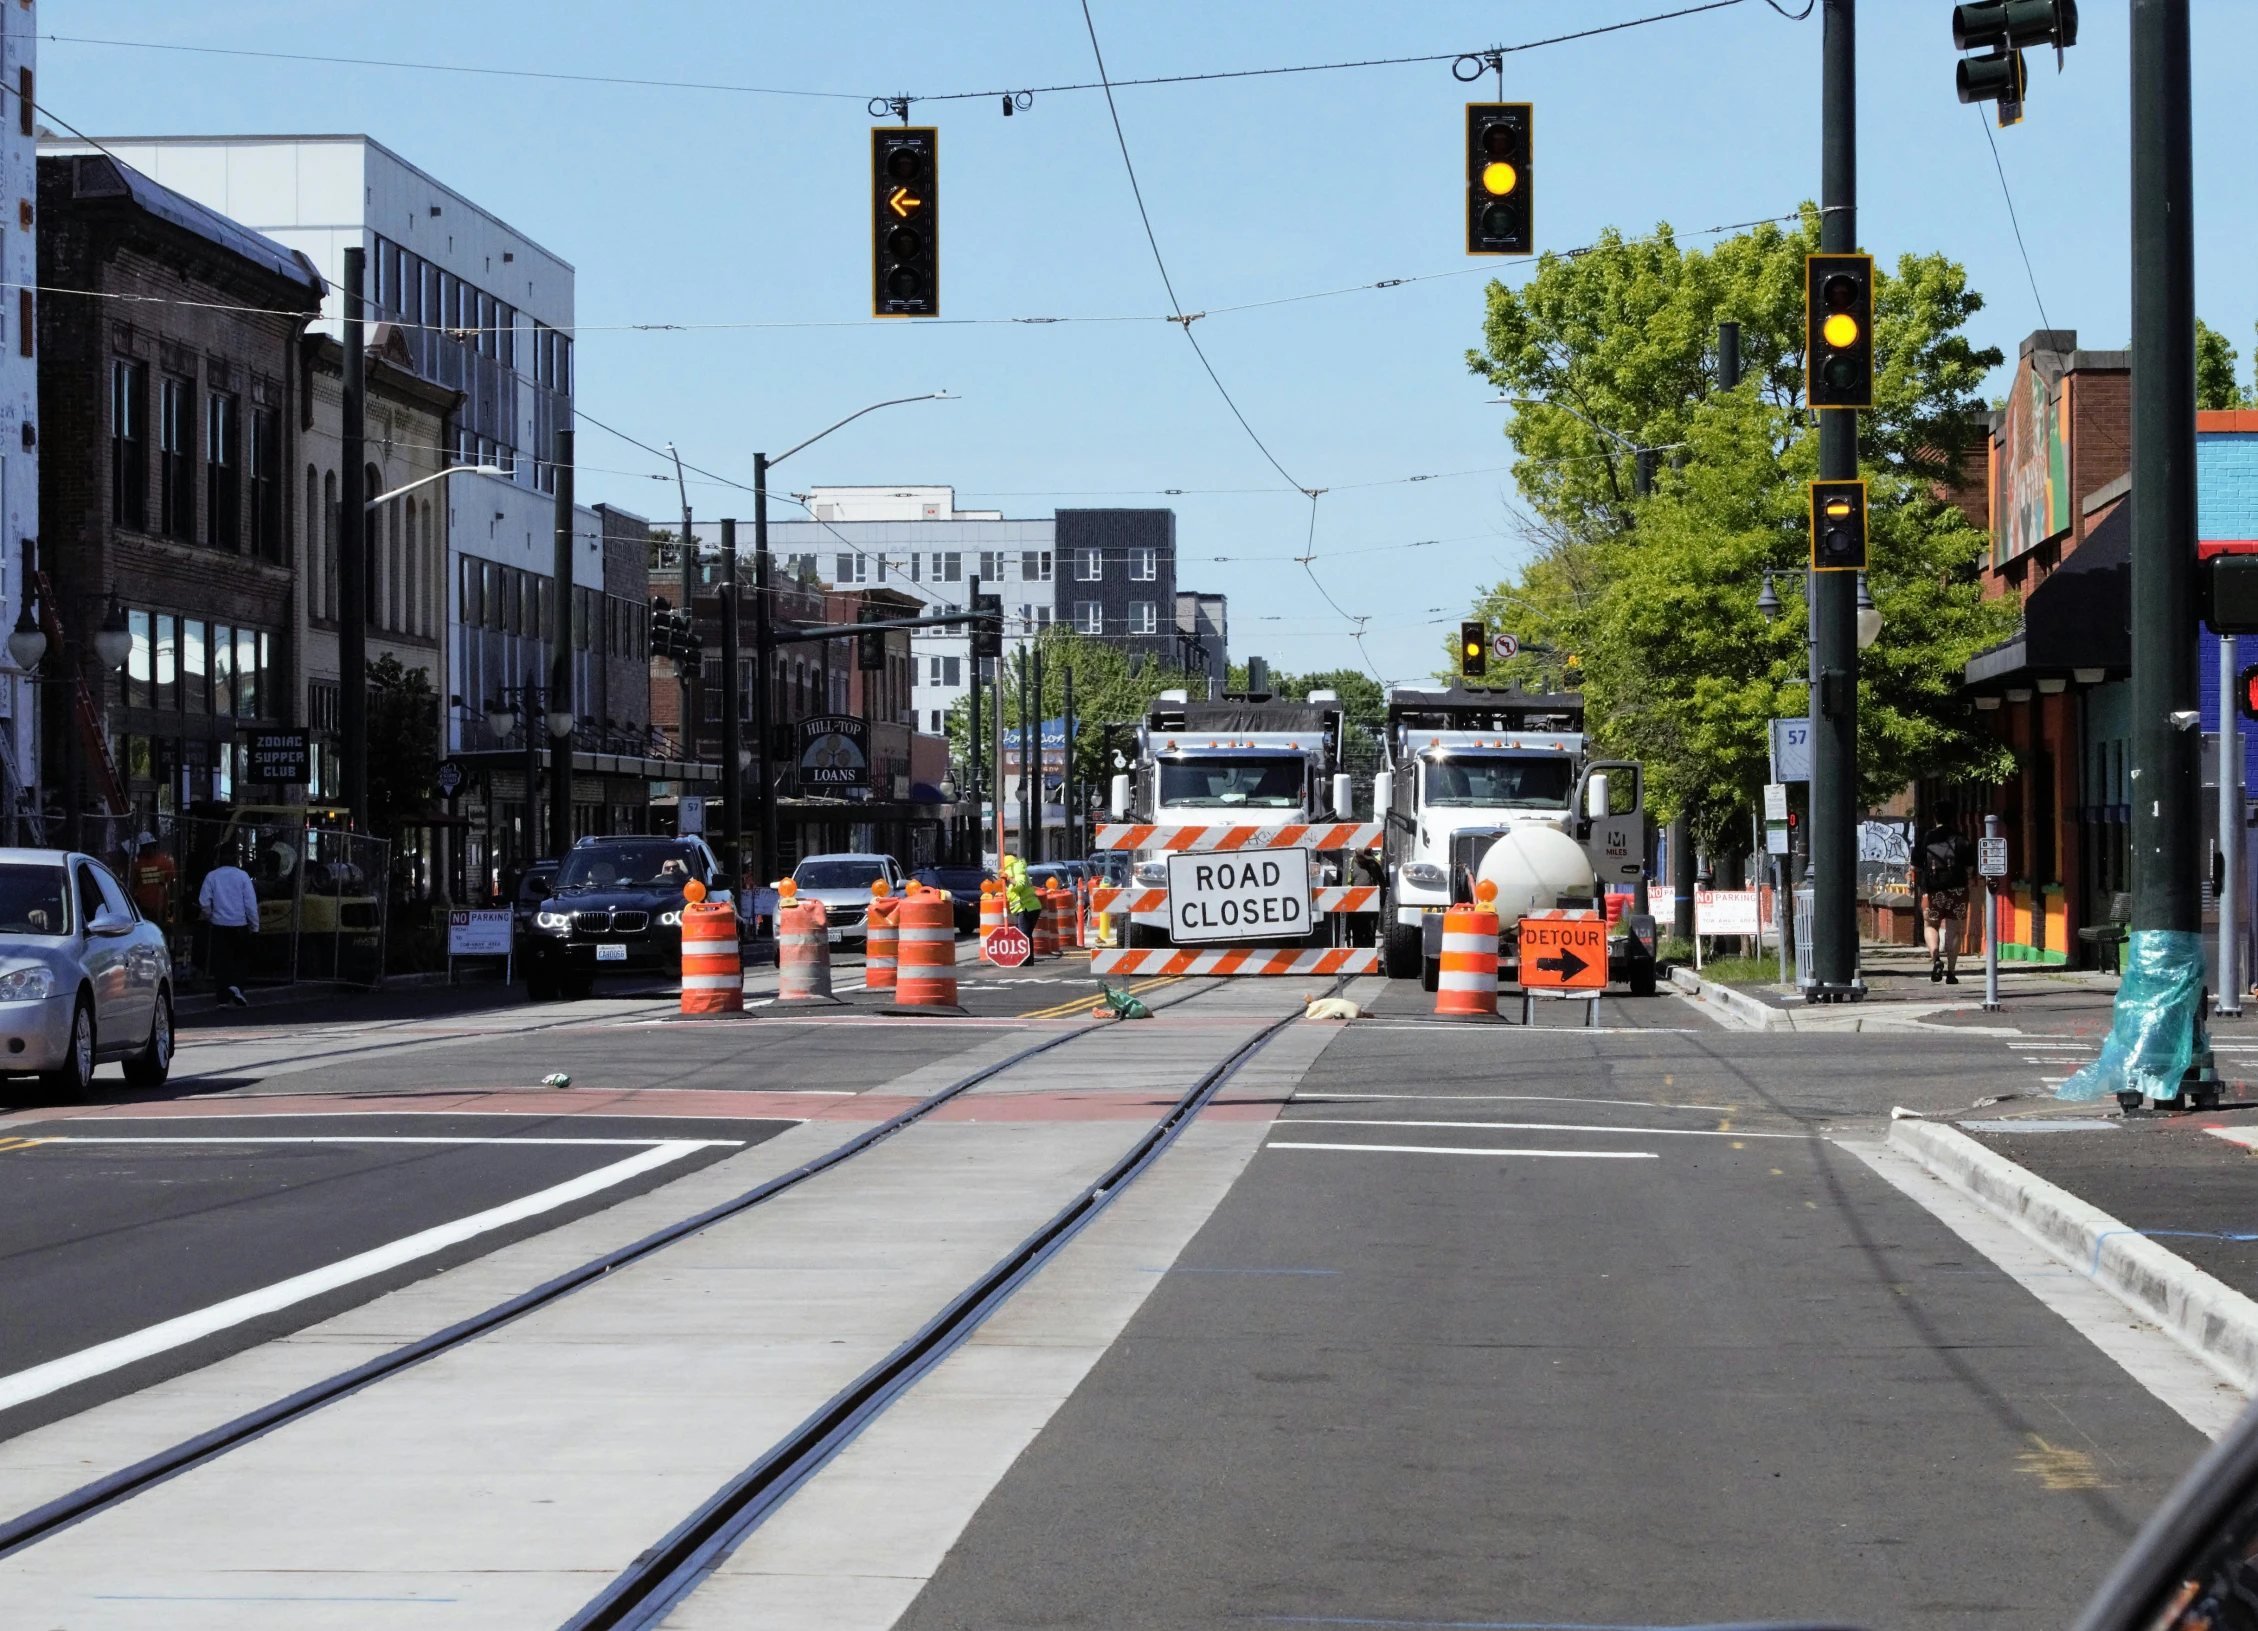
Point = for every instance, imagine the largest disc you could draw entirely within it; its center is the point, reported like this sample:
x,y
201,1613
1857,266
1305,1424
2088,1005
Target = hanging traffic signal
x,y
2246,692
2001,29
1838,308
1497,179
1473,650
1838,526
987,625
662,628
905,275
870,648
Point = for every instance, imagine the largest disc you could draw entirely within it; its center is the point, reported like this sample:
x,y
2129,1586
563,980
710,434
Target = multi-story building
x,y
1117,572
171,393
1203,637
19,404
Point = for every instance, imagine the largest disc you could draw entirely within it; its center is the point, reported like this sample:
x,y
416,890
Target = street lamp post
x,y
503,715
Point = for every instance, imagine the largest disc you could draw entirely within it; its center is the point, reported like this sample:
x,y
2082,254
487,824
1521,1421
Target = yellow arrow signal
x,y
901,203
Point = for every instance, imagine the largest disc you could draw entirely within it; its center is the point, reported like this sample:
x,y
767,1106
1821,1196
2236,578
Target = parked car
x,y
535,885
963,884
842,882
83,976
616,909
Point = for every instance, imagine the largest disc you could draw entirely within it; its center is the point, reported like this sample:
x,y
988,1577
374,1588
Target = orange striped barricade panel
x,y
926,976
1315,835
713,979
1237,960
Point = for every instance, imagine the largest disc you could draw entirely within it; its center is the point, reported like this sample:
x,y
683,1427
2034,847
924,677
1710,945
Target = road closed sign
x,y
1259,895
1564,951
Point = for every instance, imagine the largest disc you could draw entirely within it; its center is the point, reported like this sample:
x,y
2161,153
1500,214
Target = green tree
x,y
2215,385
403,744
1648,604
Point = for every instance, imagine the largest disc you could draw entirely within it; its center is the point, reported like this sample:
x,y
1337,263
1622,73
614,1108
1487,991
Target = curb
x,y
1750,1013
2215,1322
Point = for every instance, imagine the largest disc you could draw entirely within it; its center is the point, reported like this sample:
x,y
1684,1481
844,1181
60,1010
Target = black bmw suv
x,y
616,909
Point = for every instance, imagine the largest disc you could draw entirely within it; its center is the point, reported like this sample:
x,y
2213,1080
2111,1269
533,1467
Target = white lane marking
x,y
41,1380
354,1138
2247,1137
1452,1149
1508,1098
2150,1356
1538,1127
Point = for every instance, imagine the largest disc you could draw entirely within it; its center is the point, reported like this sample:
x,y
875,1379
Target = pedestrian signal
x,y
1838,305
905,221
1838,526
1498,195
2227,592
2246,692
1473,650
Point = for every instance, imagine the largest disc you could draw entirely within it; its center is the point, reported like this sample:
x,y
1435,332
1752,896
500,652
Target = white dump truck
x,y
1243,811
1500,786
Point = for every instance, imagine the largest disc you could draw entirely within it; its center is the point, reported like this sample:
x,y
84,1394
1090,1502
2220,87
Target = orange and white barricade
x,y
879,939
1046,924
1118,904
803,948
713,977
927,974
1467,983
991,912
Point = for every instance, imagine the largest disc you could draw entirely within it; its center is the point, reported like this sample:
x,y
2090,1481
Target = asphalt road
x,y
1734,1376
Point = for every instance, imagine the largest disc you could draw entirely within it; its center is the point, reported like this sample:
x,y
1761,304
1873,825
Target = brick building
x,y
171,427
20,776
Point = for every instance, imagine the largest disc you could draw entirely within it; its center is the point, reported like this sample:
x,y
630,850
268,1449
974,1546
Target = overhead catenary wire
x,y
1992,142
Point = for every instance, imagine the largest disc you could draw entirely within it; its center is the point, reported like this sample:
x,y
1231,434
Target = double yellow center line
x,y
1094,999
7,1144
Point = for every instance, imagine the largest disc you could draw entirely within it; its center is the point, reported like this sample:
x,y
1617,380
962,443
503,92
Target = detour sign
x,y
1563,951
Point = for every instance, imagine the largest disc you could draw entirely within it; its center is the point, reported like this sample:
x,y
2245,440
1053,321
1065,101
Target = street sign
x,y
690,814
1007,947
1776,837
280,756
1775,801
1504,646
449,778
1216,897
1564,951
478,934
1991,857
1726,911
1791,750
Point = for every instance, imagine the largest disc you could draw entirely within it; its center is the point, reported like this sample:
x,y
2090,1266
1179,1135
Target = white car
x,y
83,976
842,882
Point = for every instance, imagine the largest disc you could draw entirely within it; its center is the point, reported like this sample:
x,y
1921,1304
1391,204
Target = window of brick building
x,y
1143,617
173,479
266,484
129,445
223,494
1142,565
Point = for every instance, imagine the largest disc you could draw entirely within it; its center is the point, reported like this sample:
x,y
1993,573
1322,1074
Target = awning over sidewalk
x,y
2077,624
512,760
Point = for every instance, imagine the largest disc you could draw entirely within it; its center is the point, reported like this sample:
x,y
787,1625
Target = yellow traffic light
x,y
1499,179
1841,329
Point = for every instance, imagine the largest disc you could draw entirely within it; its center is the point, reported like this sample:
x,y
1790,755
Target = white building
x,y
915,540
19,390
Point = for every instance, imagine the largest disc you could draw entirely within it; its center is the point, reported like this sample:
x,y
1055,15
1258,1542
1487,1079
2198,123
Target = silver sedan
x,y
83,976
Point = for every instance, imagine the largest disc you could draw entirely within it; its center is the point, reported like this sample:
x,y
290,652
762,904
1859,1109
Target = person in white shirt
x,y
231,906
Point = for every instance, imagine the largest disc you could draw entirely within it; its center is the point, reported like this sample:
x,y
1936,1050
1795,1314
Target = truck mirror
x,y
1383,794
1595,794
1344,797
1120,805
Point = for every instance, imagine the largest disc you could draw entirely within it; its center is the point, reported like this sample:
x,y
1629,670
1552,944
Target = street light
x,y
442,475
27,642
1768,603
113,641
1869,616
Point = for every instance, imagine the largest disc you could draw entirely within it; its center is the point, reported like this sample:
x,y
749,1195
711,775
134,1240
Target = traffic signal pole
x,y
560,655
2230,830
1834,596
764,659
732,703
352,562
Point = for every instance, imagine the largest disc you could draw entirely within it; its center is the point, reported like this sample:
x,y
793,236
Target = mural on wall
x,y
2031,483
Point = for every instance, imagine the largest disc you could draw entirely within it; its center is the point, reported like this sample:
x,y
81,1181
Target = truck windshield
x,y
1528,784
1261,784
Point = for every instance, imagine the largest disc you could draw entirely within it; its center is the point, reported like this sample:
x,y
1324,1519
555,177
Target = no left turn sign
x,y
1503,646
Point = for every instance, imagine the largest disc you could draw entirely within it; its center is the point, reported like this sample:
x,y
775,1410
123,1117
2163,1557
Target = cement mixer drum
x,y
1532,868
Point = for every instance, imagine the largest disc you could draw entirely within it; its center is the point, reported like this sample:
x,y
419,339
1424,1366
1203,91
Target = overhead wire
x,y
2012,220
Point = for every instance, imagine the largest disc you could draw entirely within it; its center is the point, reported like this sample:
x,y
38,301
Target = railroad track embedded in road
x,y
672,1567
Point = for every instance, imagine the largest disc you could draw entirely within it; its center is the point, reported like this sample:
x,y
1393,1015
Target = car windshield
x,y
838,874
1262,784
1533,783
31,899
619,866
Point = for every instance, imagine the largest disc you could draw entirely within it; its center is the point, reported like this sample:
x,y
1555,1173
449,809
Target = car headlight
x,y
27,985
1425,875
1152,872
554,922
671,920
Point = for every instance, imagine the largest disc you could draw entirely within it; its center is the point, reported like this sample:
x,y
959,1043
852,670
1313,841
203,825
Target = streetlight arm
x,y
929,396
441,475
1562,407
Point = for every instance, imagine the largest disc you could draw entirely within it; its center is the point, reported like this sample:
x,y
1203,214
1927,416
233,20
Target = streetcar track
x,y
114,1489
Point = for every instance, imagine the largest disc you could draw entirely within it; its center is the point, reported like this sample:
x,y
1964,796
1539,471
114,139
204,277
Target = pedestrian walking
x,y
231,907
1943,862
1020,899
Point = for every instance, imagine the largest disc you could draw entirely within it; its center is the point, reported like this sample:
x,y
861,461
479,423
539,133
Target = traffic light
x,y
1498,197
2246,692
2002,28
2227,591
662,628
905,242
988,626
1838,342
1473,650
870,649
1838,526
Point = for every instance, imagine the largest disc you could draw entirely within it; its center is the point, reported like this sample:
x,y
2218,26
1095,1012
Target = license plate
x,y
611,954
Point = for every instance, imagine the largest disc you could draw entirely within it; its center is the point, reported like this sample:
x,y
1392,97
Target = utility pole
x,y
2230,829
560,655
1834,595
352,557
1038,845
2164,770
1074,849
763,661
732,714
996,753
973,738
1026,826
532,727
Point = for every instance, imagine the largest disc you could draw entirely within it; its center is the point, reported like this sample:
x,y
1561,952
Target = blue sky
x,y
700,207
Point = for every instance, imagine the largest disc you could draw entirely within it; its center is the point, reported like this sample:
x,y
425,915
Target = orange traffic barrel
x,y
803,948
991,911
713,979
927,975
1468,981
878,943
1046,924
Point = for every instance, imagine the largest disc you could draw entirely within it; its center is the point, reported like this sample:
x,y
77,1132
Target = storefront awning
x,y
2077,624
512,760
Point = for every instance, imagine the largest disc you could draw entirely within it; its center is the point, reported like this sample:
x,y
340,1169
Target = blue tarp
x,y
2159,1012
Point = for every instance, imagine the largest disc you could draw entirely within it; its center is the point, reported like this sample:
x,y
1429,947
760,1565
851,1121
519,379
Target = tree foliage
x,y
1648,603
403,744
2215,385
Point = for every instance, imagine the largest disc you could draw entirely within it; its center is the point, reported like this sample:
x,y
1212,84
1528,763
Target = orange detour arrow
x,y
1564,951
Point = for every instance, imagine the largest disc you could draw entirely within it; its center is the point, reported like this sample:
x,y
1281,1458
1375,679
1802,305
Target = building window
x,y
138,659
952,670
1143,618
991,565
266,484
1089,617
948,567
129,445
1089,565
194,670
223,506
940,727
1142,564
172,458
1035,566
167,697
851,569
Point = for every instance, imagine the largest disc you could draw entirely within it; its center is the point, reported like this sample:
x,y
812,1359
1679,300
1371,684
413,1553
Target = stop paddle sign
x,y
1007,947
